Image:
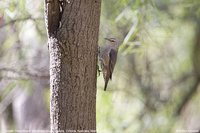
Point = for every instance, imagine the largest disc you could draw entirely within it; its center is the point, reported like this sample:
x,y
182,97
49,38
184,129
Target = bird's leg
x,y
98,50
98,71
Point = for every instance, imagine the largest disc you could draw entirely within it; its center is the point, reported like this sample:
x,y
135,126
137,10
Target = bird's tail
x,y
106,83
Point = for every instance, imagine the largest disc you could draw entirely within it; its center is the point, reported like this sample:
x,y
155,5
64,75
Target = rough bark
x,y
73,63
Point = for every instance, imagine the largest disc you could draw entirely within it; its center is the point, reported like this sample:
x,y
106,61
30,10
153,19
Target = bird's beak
x,y
107,39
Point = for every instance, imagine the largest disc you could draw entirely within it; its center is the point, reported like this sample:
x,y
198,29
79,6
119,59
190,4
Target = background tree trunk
x,y
73,43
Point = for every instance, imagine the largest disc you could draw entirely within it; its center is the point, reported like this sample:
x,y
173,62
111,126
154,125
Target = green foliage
x,y
155,65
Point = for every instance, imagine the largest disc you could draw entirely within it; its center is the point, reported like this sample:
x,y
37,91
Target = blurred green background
x,y
155,86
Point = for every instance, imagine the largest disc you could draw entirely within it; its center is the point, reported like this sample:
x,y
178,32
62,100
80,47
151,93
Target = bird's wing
x,y
105,60
112,62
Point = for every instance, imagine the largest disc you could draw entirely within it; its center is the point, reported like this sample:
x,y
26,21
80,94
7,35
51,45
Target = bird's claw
x,y
98,71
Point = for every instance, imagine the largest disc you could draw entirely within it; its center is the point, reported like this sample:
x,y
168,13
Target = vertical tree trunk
x,y
73,36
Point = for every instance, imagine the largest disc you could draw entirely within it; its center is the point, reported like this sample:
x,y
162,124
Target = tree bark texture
x,y
73,27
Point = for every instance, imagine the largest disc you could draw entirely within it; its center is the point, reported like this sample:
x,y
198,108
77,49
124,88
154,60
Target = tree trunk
x,y
73,42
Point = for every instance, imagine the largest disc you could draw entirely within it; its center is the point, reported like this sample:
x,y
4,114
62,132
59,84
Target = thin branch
x,y
19,20
182,79
13,78
187,97
23,74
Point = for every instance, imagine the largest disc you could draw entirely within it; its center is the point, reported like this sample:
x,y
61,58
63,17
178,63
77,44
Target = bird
x,y
108,58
